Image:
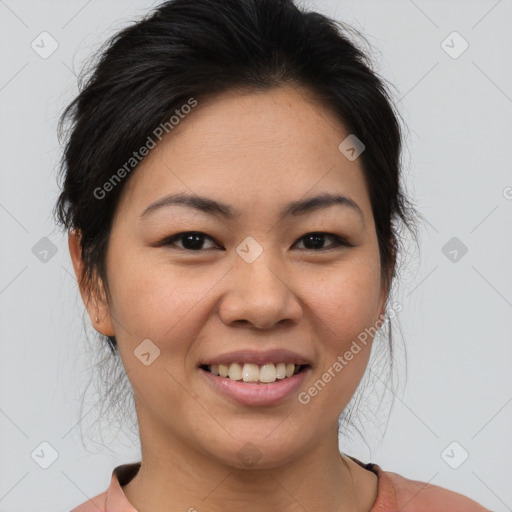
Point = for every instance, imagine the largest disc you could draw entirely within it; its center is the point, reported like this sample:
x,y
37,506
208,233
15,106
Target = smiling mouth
x,y
253,373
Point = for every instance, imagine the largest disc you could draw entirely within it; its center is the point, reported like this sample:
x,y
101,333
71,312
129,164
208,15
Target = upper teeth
x,y
253,373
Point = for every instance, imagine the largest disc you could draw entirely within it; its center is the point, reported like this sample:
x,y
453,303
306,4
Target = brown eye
x,y
194,241
315,241
190,240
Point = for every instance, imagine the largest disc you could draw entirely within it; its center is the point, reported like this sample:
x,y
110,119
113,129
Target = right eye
x,y
191,240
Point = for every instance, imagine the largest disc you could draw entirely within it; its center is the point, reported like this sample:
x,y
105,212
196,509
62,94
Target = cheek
x,y
345,306
347,301
160,303
345,313
168,308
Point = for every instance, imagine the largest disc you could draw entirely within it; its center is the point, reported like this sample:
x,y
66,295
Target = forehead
x,y
251,149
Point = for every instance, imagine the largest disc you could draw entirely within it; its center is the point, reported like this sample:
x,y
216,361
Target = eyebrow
x,y
213,207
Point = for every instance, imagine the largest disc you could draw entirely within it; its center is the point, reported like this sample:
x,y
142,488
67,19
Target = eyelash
x,y
338,241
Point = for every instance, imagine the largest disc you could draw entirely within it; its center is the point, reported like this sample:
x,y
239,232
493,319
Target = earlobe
x,y
382,312
383,299
97,308
386,280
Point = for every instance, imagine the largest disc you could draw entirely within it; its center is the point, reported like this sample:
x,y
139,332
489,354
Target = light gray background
x,y
456,316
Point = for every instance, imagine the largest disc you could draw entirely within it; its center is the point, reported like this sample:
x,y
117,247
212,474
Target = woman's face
x,y
249,282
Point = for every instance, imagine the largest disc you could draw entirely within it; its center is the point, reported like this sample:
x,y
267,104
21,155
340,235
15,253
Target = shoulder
x,y
416,496
96,504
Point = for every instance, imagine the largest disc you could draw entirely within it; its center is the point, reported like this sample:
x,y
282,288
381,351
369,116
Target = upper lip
x,y
258,357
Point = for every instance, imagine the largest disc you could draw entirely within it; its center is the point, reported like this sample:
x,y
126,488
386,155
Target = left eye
x,y
315,240
193,241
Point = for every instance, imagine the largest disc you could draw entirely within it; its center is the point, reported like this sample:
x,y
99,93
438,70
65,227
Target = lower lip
x,y
257,394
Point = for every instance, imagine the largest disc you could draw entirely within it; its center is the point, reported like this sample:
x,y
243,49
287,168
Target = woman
x,y
232,193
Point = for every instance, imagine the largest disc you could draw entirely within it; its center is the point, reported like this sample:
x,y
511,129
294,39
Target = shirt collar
x,y
116,500
386,495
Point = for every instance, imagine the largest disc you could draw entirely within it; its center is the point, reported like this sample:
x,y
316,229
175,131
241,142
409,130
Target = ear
x,y
383,297
94,297
386,281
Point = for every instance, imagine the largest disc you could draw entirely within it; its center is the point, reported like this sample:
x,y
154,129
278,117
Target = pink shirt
x,y
395,493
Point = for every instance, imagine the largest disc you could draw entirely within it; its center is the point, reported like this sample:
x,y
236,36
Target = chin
x,y
257,452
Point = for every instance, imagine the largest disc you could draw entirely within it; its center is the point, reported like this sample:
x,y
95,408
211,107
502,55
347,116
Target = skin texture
x,y
256,152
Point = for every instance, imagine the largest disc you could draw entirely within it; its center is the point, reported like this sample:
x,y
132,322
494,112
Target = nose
x,y
259,295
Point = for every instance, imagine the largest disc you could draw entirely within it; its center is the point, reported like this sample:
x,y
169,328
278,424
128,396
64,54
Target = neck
x,y
177,477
